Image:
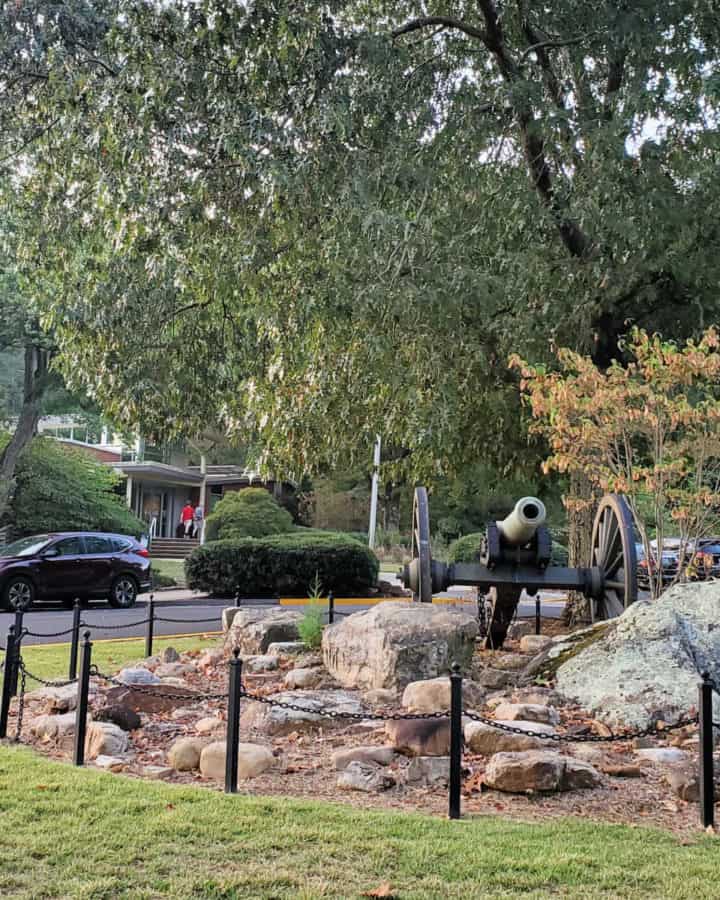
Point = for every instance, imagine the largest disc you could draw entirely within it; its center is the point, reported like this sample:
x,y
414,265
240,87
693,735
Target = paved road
x,y
187,606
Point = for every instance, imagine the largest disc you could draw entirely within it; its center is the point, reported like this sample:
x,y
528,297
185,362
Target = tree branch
x,y
443,22
553,43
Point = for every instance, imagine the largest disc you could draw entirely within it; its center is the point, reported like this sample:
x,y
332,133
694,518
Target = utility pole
x,y
374,493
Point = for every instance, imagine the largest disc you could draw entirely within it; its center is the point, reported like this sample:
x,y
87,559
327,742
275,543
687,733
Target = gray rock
x,y
527,712
105,739
58,699
211,659
647,664
286,648
684,783
663,756
111,762
493,679
534,643
302,678
170,655
428,771
381,756
265,663
539,770
433,695
184,755
137,676
380,697
158,773
253,630
366,777
518,630
53,727
280,720
396,643
174,670
253,759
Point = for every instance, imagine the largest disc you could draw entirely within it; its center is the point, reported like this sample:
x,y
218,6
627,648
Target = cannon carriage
x,y
516,555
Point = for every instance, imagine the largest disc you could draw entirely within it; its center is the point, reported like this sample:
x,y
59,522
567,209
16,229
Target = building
x,y
159,481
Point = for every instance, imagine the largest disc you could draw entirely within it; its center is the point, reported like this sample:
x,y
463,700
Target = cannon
x,y
516,555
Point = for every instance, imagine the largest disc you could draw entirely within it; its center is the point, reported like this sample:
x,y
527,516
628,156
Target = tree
x,y
61,489
307,220
252,512
649,430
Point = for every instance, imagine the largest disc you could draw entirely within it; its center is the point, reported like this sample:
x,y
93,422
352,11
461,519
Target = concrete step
x,y
172,548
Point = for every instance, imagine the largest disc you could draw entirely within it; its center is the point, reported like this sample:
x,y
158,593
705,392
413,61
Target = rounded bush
x,y
466,549
282,564
251,512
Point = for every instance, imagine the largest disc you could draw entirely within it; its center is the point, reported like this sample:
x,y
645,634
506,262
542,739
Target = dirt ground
x,y
304,767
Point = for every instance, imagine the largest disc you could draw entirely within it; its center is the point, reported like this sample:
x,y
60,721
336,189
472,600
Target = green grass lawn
x,y
83,834
51,660
171,568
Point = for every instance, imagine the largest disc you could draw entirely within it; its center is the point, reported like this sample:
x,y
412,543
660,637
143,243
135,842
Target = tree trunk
x,y
577,609
36,360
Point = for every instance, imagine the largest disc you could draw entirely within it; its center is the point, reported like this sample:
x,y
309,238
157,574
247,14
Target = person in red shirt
x,y
186,517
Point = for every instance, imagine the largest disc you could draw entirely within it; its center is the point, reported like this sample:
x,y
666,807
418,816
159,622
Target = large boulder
x,y
486,740
49,727
647,664
253,630
279,720
396,643
539,770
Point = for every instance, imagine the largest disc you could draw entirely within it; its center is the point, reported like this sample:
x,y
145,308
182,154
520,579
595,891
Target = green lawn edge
x,y
79,833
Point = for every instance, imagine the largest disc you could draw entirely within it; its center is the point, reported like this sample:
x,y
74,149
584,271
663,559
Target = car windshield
x,y
28,546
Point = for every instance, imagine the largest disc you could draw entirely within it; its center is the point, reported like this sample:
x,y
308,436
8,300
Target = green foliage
x,y
310,627
282,564
252,512
466,549
60,489
369,214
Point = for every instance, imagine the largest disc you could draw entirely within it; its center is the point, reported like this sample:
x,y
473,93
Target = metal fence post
x,y
456,741
707,781
233,723
82,701
238,597
74,641
331,607
150,626
15,670
537,613
7,681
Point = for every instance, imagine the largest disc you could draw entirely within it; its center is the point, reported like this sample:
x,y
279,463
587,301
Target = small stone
x,y
184,755
58,699
302,678
588,753
433,695
493,679
420,737
253,759
535,643
528,712
663,756
105,739
174,670
380,697
539,770
487,740
601,729
53,727
308,661
622,770
381,756
518,630
208,725
266,663
428,771
643,743
169,655
137,676
183,712
210,659
286,648
173,681
311,714
110,762
158,773
685,784
366,777
122,716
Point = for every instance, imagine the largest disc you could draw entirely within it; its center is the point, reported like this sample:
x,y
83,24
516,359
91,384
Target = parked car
x,y
66,565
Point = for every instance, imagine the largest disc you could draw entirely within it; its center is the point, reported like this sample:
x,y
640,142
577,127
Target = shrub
x,y
63,489
282,564
466,549
252,512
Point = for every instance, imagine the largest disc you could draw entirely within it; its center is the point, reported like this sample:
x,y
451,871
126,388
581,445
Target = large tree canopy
x,y
321,220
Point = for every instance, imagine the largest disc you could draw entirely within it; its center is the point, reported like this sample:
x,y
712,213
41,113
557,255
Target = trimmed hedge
x,y
282,564
466,549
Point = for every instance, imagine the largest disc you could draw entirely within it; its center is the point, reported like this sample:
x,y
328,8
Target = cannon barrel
x,y
519,527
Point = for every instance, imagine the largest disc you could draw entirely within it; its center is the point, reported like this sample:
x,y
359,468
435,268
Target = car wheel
x,y
19,594
123,592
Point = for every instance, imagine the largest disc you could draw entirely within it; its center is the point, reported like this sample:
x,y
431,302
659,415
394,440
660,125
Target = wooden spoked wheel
x,y
421,566
613,552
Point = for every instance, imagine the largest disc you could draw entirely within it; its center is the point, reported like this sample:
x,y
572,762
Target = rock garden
x,y
328,722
